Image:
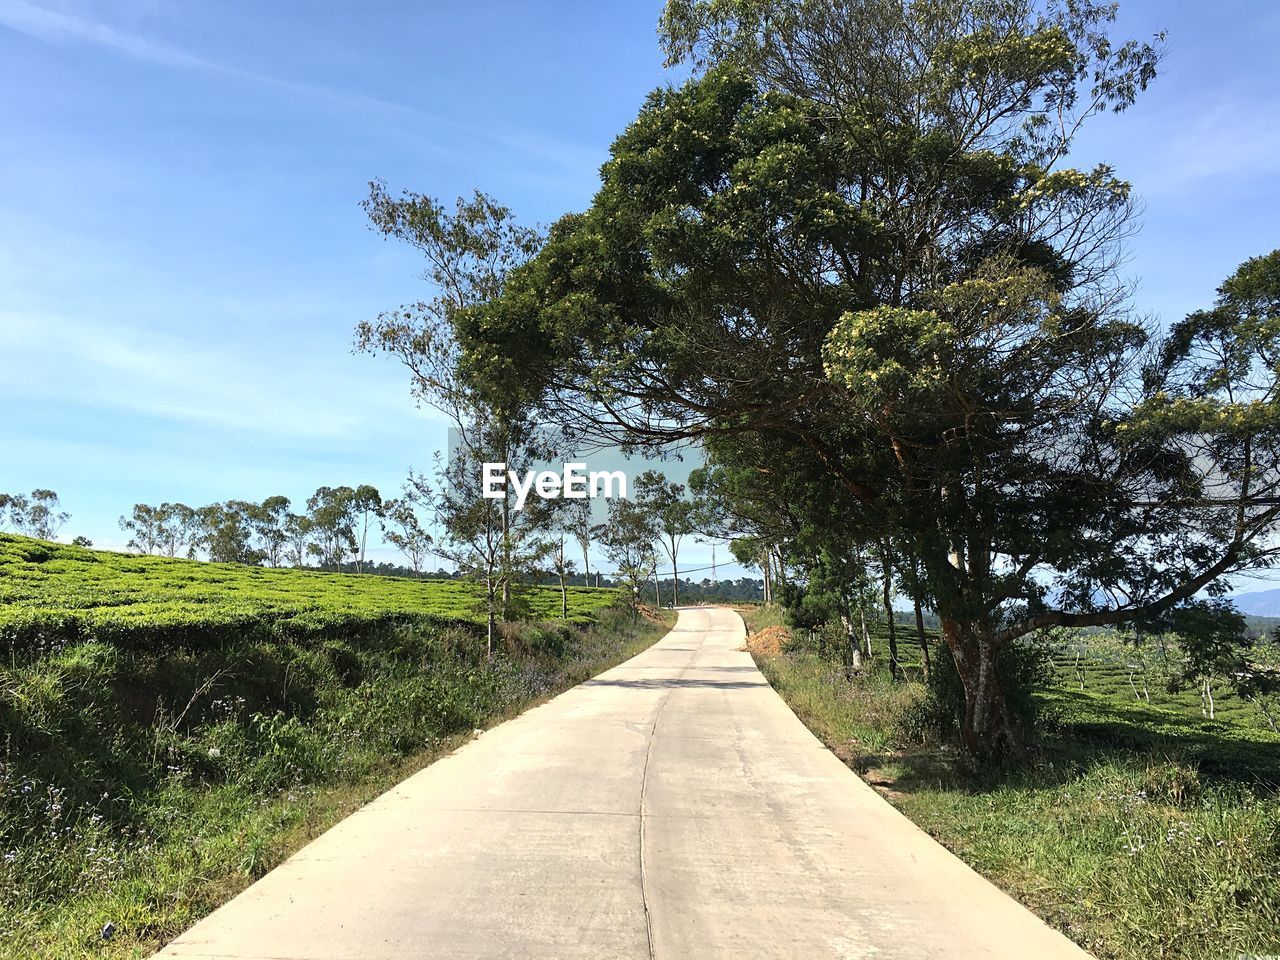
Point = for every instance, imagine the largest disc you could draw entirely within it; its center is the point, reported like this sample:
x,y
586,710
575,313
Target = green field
x,y
170,730
1139,828
53,593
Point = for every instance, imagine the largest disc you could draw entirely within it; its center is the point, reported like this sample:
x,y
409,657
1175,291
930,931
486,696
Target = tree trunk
x,y
492,594
852,649
986,726
866,634
675,579
886,581
925,665
506,553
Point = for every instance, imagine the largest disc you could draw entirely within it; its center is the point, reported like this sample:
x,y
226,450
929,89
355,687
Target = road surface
x,y
672,807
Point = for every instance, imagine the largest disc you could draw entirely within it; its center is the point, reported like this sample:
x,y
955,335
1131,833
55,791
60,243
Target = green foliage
x,y
36,515
53,595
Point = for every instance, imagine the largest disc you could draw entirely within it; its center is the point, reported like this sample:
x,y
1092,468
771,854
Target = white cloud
x,y
56,26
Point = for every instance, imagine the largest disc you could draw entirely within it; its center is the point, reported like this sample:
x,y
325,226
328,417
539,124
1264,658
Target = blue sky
x,y
183,257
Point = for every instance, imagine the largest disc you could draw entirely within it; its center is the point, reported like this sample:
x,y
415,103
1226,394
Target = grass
x,y
143,784
1139,829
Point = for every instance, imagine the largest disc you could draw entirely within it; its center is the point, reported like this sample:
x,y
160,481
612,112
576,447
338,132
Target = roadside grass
x,y
143,787
1139,829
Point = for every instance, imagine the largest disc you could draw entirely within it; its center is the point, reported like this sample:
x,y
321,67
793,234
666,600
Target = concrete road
x,y
672,807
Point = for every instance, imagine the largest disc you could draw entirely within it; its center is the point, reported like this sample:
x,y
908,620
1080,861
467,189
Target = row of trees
x,y
480,537
850,259
333,529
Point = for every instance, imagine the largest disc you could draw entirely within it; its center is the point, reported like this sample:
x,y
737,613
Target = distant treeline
x,y
746,589
334,529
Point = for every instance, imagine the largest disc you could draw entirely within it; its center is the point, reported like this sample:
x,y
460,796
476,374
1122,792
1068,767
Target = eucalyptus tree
x,y
145,526
672,515
628,543
39,515
577,520
366,506
469,253
481,536
164,529
176,529
225,532
297,528
563,568
268,521
19,508
402,526
332,512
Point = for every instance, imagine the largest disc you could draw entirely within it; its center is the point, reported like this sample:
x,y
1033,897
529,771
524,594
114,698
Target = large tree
x,y
332,512
38,516
628,542
145,526
853,238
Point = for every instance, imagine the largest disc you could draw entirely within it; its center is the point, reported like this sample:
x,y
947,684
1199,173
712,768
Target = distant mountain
x,y
1259,603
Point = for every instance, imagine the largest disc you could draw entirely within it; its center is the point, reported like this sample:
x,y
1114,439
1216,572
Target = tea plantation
x,y
52,594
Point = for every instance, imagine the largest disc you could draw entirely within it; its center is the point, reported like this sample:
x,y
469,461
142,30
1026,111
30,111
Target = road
x,y
672,807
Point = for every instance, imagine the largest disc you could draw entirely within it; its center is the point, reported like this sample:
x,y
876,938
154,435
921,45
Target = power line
x,y
687,570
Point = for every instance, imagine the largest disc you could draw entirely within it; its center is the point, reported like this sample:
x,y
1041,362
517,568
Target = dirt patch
x,y
652,615
769,642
